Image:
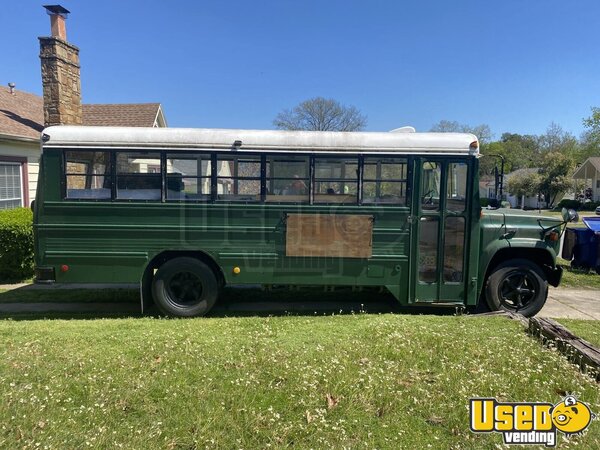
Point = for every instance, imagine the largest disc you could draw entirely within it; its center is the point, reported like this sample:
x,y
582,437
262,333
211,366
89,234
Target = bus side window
x,y
138,176
238,178
336,180
287,179
87,175
456,187
188,176
384,180
430,185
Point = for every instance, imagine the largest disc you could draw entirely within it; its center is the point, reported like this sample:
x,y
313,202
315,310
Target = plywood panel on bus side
x,y
339,236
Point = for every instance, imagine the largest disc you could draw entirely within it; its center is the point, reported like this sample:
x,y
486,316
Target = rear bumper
x,y
554,275
45,275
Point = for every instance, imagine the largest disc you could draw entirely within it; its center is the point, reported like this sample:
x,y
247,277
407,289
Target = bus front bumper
x,y
554,275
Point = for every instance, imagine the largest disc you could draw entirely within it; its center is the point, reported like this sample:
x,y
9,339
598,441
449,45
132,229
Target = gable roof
x,y
121,115
522,172
590,163
22,114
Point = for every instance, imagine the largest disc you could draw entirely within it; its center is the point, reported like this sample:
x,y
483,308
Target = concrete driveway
x,y
570,303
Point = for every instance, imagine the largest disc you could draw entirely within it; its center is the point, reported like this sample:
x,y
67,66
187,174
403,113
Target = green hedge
x,y
567,203
590,206
16,244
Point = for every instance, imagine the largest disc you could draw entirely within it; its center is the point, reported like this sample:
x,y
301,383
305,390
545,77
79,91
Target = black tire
x,y
517,285
185,287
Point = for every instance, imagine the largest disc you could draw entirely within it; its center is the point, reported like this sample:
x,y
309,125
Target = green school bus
x,y
184,212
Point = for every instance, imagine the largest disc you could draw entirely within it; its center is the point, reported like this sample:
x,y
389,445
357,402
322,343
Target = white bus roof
x,y
252,140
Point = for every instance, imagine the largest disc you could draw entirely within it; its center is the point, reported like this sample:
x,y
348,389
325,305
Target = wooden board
x,y
338,236
577,350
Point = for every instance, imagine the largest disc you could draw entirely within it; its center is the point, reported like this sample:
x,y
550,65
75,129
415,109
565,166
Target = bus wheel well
x,y
163,257
539,256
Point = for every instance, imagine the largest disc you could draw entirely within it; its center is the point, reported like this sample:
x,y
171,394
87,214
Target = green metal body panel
x,y
497,227
105,242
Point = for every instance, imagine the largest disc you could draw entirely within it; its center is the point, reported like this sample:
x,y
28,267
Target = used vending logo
x,y
529,423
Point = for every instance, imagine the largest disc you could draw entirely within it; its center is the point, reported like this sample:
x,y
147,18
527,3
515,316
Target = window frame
x,y
23,176
263,156
378,179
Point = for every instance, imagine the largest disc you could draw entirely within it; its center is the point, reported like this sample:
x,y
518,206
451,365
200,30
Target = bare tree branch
x,y
321,114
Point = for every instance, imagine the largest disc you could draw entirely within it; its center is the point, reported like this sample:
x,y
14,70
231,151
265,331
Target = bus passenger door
x,y
439,220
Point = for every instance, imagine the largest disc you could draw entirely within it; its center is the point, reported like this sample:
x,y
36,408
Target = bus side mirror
x,y
570,215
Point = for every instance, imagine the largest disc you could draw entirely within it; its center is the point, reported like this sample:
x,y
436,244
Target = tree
x,y
321,114
555,174
524,184
483,131
590,140
592,123
556,139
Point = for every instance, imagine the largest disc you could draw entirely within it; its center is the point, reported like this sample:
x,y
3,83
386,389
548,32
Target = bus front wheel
x,y
517,285
185,287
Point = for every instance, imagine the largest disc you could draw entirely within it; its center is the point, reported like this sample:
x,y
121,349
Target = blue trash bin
x,y
585,250
593,225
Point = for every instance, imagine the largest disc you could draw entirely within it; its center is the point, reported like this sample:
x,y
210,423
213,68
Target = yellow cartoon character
x,y
571,416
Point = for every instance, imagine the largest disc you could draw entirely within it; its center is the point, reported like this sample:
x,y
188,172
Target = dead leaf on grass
x,y
309,417
435,420
331,401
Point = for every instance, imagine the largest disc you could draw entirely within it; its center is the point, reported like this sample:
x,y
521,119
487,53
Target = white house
x,y
589,173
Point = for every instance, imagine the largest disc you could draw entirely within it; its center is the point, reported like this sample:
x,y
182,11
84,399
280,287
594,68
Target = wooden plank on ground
x,y
324,235
577,350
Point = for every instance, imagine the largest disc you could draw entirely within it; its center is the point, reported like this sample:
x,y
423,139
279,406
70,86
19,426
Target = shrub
x,y
590,206
567,203
16,244
483,202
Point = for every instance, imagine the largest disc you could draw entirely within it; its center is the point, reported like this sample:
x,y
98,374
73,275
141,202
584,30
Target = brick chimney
x,y
60,73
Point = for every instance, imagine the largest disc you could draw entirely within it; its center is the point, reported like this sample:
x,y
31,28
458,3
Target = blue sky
x,y
516,65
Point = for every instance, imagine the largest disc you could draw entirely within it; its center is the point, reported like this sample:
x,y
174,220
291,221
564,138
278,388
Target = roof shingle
x,y
21,113
120,115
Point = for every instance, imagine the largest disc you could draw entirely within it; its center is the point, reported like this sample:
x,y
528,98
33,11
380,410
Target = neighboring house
x,y
23,115
21,121
487,187
589,173
532,201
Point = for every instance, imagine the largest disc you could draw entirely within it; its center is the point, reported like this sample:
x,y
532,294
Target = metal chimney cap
x,y
57,10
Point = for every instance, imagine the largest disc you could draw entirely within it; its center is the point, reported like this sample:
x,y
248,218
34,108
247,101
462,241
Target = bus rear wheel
x,y
517,285
185,287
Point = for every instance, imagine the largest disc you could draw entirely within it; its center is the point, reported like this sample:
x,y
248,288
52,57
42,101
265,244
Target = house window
x,y
11,185
597,184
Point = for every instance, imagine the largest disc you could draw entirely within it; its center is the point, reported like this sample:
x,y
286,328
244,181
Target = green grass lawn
x,y
350,381
585,329
576,278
